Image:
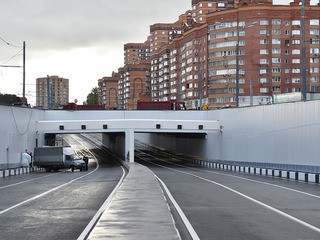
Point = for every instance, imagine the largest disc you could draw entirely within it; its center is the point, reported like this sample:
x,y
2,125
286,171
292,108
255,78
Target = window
x,y
296,51
263,80
264,41
263,71
276,60
314,79
276,21
221,4
276,79
264,61
296,23
263,51
314,50
276,31
314,70
264,32
295,60
276,41
264,22
295,80
314,60
264,90
276,89
295,32
295,70
296,42
209,4
276,70
296,89
314,22
314,31
276,50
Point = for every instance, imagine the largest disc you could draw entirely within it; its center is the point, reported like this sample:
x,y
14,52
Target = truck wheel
x,y
48,169
56,169
72,168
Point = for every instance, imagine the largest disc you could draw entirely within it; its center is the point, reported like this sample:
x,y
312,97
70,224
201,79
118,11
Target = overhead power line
x,y
9,44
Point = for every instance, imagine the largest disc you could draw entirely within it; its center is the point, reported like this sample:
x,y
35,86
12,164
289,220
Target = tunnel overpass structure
x,y
128,127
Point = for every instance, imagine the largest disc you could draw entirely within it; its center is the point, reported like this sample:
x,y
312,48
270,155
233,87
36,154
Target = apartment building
x,y
133,84
52,92
108,91
136,52
269,57
226,54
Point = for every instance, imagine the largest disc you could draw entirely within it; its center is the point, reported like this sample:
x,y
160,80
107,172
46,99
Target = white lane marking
x,y
103,208
183,217
242,178
30,180
305,224
45,193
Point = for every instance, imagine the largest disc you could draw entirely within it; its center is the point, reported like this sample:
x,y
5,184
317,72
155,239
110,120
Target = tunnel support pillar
x,y
129,148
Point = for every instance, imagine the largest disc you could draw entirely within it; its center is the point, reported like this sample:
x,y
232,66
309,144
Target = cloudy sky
x,y
81,40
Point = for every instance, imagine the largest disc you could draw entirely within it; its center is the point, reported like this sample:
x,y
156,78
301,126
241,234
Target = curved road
x,y
43,205
226,205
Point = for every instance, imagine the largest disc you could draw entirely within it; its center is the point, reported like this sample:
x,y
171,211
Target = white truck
x,y
55,158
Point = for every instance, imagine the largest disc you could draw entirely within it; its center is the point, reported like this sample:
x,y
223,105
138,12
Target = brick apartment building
x,y
196,60
57,92
108,91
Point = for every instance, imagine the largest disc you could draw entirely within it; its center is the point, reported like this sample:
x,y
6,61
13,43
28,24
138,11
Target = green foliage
x,y
7,98
93,97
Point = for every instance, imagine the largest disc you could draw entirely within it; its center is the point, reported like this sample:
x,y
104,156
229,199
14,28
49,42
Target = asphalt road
x,y
226,205
43,205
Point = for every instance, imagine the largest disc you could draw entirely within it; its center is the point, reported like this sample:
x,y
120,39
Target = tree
x,y
7,98
93,97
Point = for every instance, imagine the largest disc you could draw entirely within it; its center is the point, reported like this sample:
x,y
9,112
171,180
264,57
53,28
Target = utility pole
x,y
24,75
48,92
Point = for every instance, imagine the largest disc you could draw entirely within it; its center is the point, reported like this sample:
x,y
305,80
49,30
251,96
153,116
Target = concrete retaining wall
x,y
282,136
17,134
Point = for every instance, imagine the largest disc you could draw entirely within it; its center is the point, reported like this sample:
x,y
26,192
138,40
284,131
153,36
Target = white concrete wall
x,y
17,133
273,134
269,136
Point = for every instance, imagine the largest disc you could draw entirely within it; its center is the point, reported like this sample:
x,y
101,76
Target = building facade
x,y
108,91
133,85
52,92
136,52
226,54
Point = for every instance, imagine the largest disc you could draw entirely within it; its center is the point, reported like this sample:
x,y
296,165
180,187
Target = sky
x,y
81,40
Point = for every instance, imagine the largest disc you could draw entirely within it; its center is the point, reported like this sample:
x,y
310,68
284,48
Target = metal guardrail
x,y
281,173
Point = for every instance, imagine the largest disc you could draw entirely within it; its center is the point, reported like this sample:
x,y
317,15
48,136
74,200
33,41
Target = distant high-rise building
x,y
52,92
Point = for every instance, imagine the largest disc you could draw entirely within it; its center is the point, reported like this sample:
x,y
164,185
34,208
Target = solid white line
x,y
33,179
305,224
103,208
45,193
185,220
246,179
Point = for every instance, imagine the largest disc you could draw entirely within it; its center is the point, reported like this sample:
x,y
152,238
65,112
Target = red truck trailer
x,y
161,105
